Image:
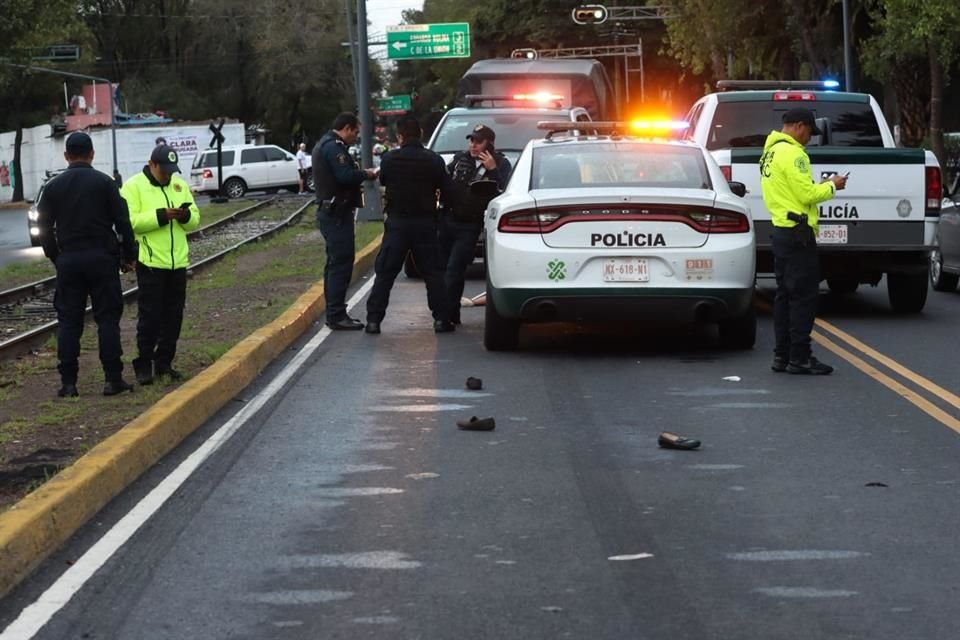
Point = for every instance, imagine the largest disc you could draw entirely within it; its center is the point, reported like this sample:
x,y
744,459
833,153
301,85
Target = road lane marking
x,y
911,396
892,364
35,616
790,555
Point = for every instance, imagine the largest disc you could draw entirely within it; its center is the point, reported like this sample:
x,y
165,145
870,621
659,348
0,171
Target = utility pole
x,y
354,56
371,208
847,57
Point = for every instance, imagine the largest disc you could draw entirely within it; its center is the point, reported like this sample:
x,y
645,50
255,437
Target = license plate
x,y
832,234
626,270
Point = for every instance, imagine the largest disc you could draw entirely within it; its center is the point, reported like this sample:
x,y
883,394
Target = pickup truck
x,y
884,222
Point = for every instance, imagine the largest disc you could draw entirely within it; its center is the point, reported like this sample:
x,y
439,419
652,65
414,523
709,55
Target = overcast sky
x,y
382,13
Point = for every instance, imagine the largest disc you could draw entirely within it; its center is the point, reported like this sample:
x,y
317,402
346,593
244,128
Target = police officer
x,y
162,211
463,217
792,197
338,181
413,176
81,216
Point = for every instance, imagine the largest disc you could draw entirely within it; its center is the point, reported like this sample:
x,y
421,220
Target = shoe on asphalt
x,y
68,390
477,424
779,364
144,374
474,384
669,440
811,367
169,372
114,387
345,324
443,326
372,327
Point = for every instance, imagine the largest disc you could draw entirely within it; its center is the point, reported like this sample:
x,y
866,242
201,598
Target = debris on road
x,y
669,440
477,424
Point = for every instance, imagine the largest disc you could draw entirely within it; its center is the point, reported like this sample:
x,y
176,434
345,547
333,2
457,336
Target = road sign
x,y
425,41
394,105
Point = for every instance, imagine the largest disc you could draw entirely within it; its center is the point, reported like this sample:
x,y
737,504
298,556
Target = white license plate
x,y
832,234
626,270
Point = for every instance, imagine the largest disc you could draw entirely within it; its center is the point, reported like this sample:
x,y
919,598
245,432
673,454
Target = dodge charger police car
x,y
618,224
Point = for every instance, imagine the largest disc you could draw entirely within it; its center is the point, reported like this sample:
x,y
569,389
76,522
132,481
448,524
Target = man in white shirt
x,y
304,166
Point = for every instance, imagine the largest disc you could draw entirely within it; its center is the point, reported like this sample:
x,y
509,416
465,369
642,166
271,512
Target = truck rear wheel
x,y
842,286
907,291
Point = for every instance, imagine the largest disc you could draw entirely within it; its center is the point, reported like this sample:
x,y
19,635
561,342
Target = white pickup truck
x,y
883,223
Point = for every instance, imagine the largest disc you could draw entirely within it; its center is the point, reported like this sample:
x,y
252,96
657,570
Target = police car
x,y
619,223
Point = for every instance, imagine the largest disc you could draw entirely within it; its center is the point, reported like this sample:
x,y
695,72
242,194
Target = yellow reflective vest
x,y
787,183
163,243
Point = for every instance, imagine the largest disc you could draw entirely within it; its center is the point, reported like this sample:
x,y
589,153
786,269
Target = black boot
x,y
115,387
144,371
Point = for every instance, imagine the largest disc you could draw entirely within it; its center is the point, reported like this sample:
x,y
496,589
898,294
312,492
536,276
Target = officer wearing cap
x,y
81,217
478,174
791,196
162,211
412,176
337,180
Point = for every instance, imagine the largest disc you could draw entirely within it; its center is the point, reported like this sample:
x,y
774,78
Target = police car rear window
x,y
208,160
747,124
619,165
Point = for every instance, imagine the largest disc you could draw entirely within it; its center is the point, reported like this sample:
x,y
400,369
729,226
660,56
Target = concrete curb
x,y
46,518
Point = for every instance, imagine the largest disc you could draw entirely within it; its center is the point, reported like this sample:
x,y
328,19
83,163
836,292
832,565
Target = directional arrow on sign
x,y
399,45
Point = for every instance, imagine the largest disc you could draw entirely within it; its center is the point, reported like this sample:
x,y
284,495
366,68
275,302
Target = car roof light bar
x,y
614,128
539,98
734,85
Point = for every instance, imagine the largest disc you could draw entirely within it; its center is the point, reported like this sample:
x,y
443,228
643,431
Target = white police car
x,y
618,224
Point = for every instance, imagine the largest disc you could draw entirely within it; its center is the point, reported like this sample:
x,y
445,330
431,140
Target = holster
x,y
803,231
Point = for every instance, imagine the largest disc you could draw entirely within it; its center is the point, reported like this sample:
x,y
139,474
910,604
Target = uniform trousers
x,y
160,301
339,235
401,235
458,244
94,273
797,267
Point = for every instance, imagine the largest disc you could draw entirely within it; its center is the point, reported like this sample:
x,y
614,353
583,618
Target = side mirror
x,y
738,188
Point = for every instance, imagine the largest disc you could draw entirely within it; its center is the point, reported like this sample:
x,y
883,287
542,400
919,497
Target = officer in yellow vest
x,y
792,197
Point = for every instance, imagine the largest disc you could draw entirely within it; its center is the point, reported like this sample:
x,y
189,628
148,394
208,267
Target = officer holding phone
x,y
162,211
791,196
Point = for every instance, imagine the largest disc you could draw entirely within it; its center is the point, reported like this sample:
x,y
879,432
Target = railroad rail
x,y
27,317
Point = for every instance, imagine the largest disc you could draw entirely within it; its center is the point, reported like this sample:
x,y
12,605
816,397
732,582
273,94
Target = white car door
x,y
254,168
282,167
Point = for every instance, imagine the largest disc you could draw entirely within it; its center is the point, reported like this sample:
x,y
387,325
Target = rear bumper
x,y
645,306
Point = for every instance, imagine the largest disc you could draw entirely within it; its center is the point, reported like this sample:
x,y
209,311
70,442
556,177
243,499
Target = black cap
x,y
804,116
482,132
79,144
164,156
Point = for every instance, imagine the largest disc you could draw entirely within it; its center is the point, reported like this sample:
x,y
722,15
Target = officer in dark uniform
x,y
338,180
413,177
81,216
463,216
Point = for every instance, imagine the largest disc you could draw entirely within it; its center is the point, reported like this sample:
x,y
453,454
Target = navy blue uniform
x,y
412,176
463,220
81,215
338,180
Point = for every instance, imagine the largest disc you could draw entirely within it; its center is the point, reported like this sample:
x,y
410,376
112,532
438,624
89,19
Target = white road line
x,y
35,616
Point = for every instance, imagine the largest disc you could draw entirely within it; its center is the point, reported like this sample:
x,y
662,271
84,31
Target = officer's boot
x,y
144,371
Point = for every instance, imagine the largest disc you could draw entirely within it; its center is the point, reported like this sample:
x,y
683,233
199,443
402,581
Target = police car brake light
x,y
526,221
803,96
719,221
659,125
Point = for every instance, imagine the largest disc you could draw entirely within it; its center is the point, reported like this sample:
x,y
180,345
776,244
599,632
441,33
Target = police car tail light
x,y
727,172
803,96
934,186
527,221
540,96
207,174
719,221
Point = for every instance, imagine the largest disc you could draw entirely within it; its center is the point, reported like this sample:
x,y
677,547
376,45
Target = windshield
x,y
747,124
619,165
513,131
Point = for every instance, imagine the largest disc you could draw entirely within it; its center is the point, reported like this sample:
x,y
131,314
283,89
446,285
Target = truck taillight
x,y
934,191
207,174
727,171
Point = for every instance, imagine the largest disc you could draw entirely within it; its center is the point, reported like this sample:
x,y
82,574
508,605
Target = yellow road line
x,y
892,364
911,396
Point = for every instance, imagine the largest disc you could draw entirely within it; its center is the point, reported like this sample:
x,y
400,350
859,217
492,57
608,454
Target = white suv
x,y
246,168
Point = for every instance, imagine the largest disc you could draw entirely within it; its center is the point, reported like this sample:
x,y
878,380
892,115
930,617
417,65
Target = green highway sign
x,y
425,41
394,105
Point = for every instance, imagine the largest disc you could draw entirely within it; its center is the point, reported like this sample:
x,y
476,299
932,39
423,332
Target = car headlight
x,y
33,214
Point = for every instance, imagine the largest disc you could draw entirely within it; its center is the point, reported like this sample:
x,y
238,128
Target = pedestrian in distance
x,y
304,162
81,217
412,176
162,211
791,196
478,174
338,181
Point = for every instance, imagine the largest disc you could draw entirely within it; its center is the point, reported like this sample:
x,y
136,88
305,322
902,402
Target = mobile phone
x,y
185,205
846,175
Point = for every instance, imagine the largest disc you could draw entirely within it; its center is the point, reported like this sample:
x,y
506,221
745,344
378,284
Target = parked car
x,y
246,168
945,256
33,215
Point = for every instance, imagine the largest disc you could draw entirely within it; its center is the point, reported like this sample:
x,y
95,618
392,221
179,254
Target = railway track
x,y
27,316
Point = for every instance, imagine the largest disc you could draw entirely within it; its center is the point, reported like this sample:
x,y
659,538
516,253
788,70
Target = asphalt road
x,y
352,507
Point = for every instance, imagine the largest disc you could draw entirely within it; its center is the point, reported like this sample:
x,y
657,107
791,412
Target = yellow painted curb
x,y
44,519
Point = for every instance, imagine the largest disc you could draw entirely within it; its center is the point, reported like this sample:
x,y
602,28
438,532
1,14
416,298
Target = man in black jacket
x,y
463,217
338,180
413,176
81,215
